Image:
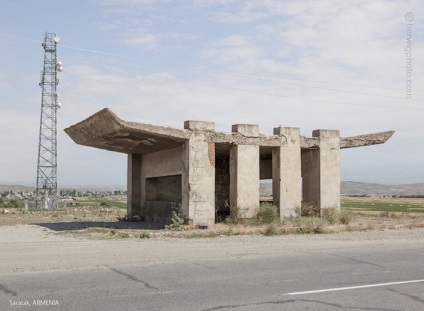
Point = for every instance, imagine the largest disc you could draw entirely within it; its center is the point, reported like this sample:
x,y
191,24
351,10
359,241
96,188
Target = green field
x,y
381,205
117,204
106,201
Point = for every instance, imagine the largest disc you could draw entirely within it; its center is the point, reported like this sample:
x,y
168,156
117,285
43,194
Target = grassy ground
x,y
385,205
105,218
95,213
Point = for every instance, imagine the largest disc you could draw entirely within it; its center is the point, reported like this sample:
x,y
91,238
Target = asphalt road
x,y
360,271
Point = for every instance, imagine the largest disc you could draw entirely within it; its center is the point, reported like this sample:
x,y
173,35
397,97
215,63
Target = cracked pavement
x,y
223,273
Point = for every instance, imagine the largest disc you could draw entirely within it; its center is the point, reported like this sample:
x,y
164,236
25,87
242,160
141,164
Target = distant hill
x,y
19,188
358,188
346,187
16,188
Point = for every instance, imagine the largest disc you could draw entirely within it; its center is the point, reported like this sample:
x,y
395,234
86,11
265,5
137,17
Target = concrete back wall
x,y
222,184
160,164
311,186
265,170
167,188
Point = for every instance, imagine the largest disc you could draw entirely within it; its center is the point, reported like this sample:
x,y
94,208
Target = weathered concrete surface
x,y
365,140
160,164
240,139
286,173
157,151
329,168
311,185
198,183
350,142
244,175
104,130
160,211
199,125
321,171
135,190
246,130
265,167
222,184
167,189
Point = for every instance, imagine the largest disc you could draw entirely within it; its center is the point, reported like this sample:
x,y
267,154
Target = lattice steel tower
x,y
47,144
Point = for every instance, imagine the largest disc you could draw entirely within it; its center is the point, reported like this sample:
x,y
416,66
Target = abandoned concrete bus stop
x,y
199,172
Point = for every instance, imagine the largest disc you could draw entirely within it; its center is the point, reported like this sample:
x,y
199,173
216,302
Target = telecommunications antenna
x,y
46,189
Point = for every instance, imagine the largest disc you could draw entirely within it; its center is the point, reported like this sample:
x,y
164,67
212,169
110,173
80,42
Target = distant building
x,y
13,196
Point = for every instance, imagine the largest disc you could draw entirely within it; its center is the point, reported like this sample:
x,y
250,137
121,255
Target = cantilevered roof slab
x,y
104,130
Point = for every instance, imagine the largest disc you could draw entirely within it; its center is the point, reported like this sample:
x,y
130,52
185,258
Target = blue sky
x,y
309,64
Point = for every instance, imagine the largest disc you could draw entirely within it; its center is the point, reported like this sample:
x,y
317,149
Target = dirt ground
x,y
98,222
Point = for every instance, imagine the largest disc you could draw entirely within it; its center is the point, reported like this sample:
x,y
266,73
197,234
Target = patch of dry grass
x,y
333,221
15,216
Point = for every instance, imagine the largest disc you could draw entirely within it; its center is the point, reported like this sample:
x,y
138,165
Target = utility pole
x,y
46,191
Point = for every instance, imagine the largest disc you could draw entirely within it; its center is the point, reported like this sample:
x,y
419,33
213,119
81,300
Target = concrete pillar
x,y
244,173
321,171
286,173
198,178
134,188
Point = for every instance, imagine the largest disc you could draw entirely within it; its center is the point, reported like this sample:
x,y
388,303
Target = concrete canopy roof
x,y
105,130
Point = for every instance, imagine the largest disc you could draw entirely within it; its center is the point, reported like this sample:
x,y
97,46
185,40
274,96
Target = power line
x,y
298,79
241,74
314,87
261,92
251,76
303,98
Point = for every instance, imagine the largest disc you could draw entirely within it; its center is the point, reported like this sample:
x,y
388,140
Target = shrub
x,y
346,217
145,235
309,210
234,217
271,229
177,222
334,216
384,214
267,213
330,215
13,203
122,235
309,224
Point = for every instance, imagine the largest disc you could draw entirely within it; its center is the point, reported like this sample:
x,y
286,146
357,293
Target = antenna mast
x,y
46,191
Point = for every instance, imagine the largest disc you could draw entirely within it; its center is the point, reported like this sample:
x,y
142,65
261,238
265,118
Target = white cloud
x,y
141,38
263,62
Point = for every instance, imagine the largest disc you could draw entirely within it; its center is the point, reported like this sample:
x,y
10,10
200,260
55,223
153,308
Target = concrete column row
x,y
314,172
311,176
